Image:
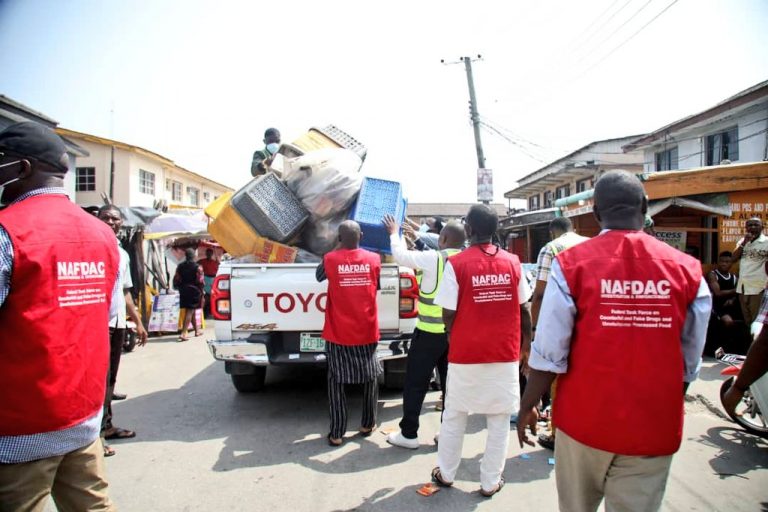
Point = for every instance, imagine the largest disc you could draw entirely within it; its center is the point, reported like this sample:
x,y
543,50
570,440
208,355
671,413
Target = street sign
x,y
485,185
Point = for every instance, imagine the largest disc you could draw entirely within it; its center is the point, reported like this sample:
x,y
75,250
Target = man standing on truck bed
x,y
351,329
263,157
429,345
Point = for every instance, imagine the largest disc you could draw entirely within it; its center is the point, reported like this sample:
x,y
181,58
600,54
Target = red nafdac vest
x,y
54,339
486,328
350,314
623,392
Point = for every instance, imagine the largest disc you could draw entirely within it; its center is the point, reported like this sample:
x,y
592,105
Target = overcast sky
x,y
199,81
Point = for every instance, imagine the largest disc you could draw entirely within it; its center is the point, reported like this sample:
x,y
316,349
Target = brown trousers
x,y
750,307
586,475
76,481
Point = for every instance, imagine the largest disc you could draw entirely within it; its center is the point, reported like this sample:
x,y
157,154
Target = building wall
x,y
127,189
691,148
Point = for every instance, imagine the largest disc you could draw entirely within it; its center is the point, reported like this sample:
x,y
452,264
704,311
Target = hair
x,y
725,254
439,223
271,132
561,224
454,234
110,208
190,254
619,196
483,220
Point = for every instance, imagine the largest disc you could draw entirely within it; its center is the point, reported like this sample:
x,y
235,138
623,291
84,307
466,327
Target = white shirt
x,y
752,276
426,261
117,313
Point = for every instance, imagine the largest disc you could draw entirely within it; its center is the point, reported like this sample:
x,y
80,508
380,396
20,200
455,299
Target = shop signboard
x,y
676,239
745,204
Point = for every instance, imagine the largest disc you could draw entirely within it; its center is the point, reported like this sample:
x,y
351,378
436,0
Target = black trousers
x,y
116,340
427,350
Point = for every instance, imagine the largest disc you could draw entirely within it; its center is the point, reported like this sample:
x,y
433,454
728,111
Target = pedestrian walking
x,y
189,281
483,296
624,320
563,237
58,276
113,217
351,328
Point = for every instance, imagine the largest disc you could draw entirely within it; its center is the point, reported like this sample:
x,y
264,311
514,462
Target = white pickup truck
x,y
272,314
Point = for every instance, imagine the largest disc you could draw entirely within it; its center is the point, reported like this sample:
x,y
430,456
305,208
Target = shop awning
x,y
714,204
520,220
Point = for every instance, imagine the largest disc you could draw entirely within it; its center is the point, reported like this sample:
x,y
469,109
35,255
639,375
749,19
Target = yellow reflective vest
x,y
430,314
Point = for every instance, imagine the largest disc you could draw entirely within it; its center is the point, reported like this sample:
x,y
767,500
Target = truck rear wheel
x,y
252,382
394,373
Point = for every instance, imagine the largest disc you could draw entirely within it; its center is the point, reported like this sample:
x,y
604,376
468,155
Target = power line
x,y
597,31
596,20
517,136
627,40
633,16
522,148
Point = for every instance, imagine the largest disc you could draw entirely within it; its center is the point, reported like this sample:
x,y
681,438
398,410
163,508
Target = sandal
x,y
198,333
489,494
108,450
332,441
119,433
366,432
437,477
182,338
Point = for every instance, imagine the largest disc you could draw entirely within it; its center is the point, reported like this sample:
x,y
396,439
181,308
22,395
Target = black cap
x,y
35,141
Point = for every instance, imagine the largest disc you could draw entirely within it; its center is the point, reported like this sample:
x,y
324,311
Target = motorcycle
x,y
748,413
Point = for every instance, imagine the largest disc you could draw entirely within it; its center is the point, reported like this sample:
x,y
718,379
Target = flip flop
x,y
182,338
108,450
120,433
489,494
366,432
334,442
437,477
198,333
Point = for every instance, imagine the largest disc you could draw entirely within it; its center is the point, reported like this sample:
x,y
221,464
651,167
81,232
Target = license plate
x,y
309,342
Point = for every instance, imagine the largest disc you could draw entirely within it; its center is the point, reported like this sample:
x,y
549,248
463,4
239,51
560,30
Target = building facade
x,y
134,176
733,131
572,174
12,112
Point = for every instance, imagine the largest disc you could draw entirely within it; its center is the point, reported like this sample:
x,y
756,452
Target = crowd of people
x,y
605,313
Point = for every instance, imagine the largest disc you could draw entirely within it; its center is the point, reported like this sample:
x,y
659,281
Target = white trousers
x,y
452,439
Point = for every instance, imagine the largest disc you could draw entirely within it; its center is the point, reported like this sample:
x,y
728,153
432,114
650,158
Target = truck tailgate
x,y
287,297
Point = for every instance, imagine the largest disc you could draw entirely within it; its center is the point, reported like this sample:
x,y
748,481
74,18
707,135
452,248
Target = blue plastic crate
x,y
377,198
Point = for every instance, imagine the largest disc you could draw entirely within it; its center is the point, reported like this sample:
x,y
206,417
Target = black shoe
x,y
119,396
547,441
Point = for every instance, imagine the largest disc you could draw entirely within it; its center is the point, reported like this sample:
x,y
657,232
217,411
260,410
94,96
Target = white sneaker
x,y
397,439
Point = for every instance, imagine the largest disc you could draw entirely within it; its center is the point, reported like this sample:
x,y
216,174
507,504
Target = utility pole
x,y
473,111
473,114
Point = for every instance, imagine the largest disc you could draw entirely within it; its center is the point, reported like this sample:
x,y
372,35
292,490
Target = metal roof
x,y
136,149
757,92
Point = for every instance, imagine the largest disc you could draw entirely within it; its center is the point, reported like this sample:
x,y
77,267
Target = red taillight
x,y
221,305
409,296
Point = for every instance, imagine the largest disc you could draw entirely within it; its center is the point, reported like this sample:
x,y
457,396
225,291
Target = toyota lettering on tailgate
x,y
285,302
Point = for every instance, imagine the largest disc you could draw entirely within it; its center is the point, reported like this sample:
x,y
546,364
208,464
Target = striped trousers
x,y
337,399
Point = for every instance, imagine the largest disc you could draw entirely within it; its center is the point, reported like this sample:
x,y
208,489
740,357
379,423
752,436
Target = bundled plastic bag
x,y
326,181
321,235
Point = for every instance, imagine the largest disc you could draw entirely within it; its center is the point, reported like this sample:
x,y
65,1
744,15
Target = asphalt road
x,y
203,446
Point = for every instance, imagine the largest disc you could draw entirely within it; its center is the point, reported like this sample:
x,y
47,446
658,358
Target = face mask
x,y
273,147
5,183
